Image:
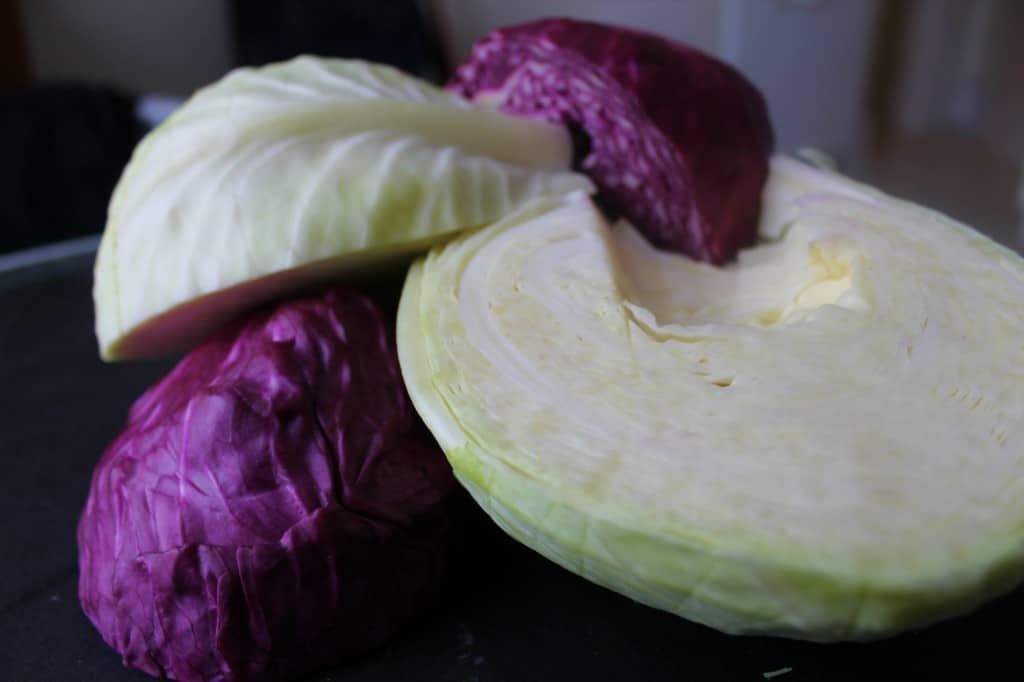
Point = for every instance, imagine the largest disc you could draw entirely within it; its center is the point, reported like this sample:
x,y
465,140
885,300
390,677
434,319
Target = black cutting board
x,y
508,614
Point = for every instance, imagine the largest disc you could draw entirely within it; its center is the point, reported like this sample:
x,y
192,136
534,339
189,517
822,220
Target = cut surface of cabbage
x,y
276,177
820,441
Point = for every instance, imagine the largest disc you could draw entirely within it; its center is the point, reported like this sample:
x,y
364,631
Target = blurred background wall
x,y
171,46
923,97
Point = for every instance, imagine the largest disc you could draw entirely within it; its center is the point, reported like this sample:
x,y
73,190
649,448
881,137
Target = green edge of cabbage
x,y
707,580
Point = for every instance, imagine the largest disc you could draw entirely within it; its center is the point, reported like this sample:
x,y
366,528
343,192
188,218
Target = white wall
x,y
167,46
810,59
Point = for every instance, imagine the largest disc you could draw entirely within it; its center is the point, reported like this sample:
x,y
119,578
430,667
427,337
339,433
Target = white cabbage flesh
x,y
821,441
273,178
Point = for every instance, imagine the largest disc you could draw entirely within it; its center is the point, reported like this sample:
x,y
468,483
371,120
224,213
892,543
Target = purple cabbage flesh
x,y
677,142
272,506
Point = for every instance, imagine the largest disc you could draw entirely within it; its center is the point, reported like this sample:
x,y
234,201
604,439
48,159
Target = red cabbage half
x,y
678,141
273,504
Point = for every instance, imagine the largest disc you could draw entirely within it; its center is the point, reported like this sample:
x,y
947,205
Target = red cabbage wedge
x,y
678,141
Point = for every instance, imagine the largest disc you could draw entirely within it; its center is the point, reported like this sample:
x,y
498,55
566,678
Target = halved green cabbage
x,y
275,177
822,441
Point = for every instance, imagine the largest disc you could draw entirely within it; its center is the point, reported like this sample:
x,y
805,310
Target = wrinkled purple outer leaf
x,y
273,504
679,141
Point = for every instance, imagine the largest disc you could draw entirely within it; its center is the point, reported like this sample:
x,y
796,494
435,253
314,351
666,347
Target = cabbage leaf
x,y
276,177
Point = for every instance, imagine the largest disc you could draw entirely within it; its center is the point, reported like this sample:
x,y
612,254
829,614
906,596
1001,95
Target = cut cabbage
x,y
676,141
276,177
272,504
822,441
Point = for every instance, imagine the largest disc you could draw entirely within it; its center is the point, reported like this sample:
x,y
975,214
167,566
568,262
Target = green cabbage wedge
x,y
820,441
274,178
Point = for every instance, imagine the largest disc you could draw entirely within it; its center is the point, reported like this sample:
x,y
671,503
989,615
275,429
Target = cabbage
x,y
276,177
822,441
677,141
273,504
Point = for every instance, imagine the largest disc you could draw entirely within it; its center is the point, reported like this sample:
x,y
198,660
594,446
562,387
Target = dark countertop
x,y
508,614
